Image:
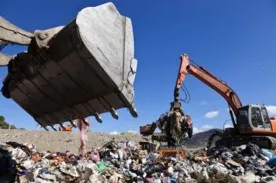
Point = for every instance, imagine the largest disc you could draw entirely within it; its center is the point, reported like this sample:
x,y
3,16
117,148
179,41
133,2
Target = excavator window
x,y
265,115
267,124
256,117
243,119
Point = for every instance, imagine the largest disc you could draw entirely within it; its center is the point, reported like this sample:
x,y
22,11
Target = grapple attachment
x,y
147,129
83,69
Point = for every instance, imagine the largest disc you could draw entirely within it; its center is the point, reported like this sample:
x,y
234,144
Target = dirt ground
x,y
56,141
62,141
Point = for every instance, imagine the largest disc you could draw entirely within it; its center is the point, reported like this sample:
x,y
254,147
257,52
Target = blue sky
x,y
235,40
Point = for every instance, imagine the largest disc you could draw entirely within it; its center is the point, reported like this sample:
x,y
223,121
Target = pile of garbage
x,y
117,162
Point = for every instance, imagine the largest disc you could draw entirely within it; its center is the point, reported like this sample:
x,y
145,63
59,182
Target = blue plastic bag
x,y
272,161
266,153
173,180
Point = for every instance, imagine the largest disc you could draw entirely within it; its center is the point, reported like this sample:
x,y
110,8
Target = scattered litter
x,y
118,162
266,153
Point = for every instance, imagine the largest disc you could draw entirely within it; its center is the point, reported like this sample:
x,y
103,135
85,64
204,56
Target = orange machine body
x,y
66,128
263,132
251,121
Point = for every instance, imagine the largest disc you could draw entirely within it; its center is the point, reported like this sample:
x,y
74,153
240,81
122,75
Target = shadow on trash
x,y
8,169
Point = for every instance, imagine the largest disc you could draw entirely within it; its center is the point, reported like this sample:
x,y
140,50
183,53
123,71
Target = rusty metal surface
x,y
88,68
172,151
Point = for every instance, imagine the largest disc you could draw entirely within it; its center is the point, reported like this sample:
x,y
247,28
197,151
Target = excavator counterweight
x,y
82,69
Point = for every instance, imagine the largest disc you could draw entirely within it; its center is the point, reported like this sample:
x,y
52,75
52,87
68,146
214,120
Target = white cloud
x,y
132,131
114,133
211,114
228,126
202,128
196,130
271,109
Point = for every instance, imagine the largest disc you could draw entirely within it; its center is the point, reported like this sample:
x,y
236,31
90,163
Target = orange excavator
x,y
67,128
251,123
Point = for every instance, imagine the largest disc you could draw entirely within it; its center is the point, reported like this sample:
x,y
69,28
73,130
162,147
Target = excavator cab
x,y
252,118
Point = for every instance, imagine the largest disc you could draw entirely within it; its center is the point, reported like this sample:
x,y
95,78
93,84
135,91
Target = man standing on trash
x,y
83,125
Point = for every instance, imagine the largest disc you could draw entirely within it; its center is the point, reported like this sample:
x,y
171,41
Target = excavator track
x,y
267,142
211,139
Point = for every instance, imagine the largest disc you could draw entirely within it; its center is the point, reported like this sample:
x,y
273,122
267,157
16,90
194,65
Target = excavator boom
x,y
82,69
11,34
210,80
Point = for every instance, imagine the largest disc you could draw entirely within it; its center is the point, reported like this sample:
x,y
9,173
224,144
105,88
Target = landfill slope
x,y
61,141
123,160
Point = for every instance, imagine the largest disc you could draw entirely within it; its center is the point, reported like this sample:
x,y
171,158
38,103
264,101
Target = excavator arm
x,y
11,34
210,80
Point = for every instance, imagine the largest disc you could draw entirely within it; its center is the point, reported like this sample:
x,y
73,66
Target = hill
x,y
200,139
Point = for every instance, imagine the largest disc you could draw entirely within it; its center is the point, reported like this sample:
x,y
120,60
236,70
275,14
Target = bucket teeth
x,y
133,112
98,118
61,125
72,124
114,113
45,128
53,128
38,123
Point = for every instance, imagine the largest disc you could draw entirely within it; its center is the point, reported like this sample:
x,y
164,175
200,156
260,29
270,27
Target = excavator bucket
x,y
83,69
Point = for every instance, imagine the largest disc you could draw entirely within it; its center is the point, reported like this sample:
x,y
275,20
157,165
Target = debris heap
x,y
125,162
